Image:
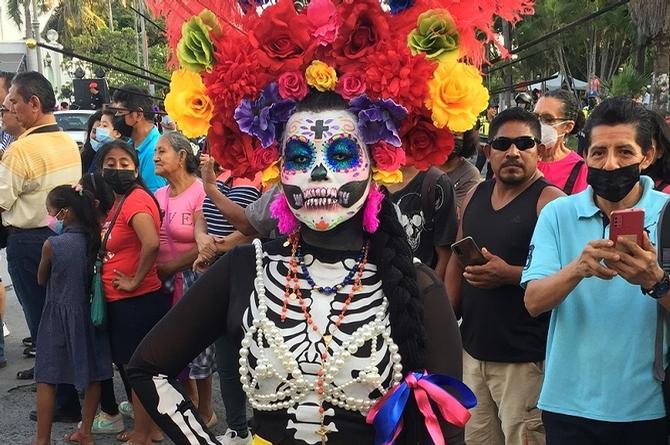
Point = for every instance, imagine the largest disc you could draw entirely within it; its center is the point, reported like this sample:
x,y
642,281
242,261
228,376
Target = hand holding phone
x,y
468,252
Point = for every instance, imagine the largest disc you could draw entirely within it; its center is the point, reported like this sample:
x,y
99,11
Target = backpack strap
x,y
428,195
570,183
663,318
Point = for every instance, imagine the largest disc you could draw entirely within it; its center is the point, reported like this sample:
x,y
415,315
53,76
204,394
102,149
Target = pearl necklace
x,y
299,386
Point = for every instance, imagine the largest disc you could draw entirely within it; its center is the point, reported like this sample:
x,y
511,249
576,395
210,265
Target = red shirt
x,y
123,246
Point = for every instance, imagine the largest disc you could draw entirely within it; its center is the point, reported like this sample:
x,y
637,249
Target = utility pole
x,y
145,46
36,36
111,17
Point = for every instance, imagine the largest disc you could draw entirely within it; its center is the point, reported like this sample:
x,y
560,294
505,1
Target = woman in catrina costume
x,y
342,336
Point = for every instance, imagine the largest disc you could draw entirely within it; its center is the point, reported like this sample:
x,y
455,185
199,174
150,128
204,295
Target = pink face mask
x,y
326,168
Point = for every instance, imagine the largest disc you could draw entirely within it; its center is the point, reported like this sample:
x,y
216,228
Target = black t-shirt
x,y
216,305
424,236
496,324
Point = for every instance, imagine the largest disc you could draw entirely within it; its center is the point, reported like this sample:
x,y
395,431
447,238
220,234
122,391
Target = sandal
x,y
76,438
123,437
26,374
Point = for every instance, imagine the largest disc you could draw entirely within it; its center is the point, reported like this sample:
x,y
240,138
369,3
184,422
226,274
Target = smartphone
x,y
468,252
628,224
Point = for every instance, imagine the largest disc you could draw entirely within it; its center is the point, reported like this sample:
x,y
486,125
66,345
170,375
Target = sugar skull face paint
x,y
326,168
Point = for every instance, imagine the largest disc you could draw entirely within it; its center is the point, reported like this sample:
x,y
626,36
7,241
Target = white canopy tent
x,y
557,83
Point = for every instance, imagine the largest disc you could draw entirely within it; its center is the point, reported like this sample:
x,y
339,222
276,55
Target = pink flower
x,y
292,85
322,14
387,157
351,85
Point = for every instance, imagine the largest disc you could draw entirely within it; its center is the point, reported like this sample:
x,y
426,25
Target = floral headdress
x,y
408,67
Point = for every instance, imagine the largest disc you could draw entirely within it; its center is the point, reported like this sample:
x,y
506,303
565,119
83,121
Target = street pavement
x,y
17,397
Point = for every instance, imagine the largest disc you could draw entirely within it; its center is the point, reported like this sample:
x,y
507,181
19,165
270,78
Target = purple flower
x,y
398,6
264,117
378,120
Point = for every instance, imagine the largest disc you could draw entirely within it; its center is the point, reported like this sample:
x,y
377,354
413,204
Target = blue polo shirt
x,y
600,349
145,152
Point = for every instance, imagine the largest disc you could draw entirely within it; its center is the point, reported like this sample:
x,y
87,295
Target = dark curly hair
x,y
571,108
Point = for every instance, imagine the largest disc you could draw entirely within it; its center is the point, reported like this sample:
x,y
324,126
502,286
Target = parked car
x,y
74,123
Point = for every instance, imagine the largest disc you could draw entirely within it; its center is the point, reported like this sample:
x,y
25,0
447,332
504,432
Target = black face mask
x,y
119,180
613,185
119,124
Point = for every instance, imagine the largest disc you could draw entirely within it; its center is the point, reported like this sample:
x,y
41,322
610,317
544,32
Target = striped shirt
x,y
217,224
5,140
35,165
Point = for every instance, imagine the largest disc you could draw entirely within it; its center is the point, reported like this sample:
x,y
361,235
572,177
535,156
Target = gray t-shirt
x,y
464,177
258,214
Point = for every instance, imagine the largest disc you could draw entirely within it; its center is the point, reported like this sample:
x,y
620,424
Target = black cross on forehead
x,y
318,129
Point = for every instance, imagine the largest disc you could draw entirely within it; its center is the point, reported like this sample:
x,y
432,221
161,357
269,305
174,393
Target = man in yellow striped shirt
x,y
42,158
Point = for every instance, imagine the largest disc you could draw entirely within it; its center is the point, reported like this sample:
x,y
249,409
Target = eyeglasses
x,y
118,111
3,110
548,119
522,143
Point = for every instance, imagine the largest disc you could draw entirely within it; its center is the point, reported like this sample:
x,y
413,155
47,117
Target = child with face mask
x,y
71,350
111,128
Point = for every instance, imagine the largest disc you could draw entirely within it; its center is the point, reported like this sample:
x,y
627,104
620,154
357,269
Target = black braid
x,y
391,252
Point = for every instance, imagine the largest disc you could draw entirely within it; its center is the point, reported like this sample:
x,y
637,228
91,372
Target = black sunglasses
x,y
522,143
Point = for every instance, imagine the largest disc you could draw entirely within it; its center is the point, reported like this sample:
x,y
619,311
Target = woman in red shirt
x,y
132,287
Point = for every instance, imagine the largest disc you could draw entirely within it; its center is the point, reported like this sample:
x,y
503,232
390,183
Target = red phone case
x,y
627,223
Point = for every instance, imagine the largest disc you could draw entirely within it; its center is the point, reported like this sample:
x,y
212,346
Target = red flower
x,y
351,85
282,38
292,85
264,157
387,157
233,149
392,72
236,75
424,144
365,26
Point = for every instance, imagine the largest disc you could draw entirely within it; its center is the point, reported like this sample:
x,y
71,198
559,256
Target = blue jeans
x,y
234,400
24,251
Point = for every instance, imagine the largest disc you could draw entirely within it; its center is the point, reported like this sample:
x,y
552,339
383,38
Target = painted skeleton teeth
x,y
343,198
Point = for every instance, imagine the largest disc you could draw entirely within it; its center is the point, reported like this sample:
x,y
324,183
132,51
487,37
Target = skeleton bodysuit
x,y
279,373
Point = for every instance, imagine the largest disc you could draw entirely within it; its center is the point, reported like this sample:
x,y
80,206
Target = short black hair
x,y
134,98
515,114
7,79
32,83
621,111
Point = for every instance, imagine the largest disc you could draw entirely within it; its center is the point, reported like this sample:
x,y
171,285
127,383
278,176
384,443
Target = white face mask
x,y
549,136
326,168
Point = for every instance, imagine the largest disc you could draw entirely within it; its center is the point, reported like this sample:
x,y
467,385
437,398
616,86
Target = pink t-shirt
x,y
558,172
179,219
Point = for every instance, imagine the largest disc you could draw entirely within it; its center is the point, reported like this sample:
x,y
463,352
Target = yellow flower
x,y
270,175
384,177
321,76
188,104
457,96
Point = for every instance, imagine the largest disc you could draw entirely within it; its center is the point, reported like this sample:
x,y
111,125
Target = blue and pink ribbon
x,y
386,415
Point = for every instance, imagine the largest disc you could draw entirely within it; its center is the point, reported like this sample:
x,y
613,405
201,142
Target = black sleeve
x,y
444,350
446,220
202,316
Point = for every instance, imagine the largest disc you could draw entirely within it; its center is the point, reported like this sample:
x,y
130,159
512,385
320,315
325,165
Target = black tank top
x,y
496,325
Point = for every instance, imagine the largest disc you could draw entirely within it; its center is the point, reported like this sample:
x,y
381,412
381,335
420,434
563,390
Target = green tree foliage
x,y
600,46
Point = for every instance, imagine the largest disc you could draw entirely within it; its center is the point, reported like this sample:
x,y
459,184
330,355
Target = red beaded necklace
x,y
292,290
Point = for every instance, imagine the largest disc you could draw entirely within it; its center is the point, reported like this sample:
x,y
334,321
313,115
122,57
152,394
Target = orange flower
x,y
188,104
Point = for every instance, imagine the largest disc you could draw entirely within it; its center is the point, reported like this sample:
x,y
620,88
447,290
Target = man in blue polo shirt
x,y
598,386
134,104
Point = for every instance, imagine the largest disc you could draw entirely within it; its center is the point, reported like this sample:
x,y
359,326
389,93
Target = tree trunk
x,y
28,19
659,87
640,54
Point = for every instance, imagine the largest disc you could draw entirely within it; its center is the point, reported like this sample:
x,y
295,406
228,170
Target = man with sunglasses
x,y
134,104
503,345
599,386
6,137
